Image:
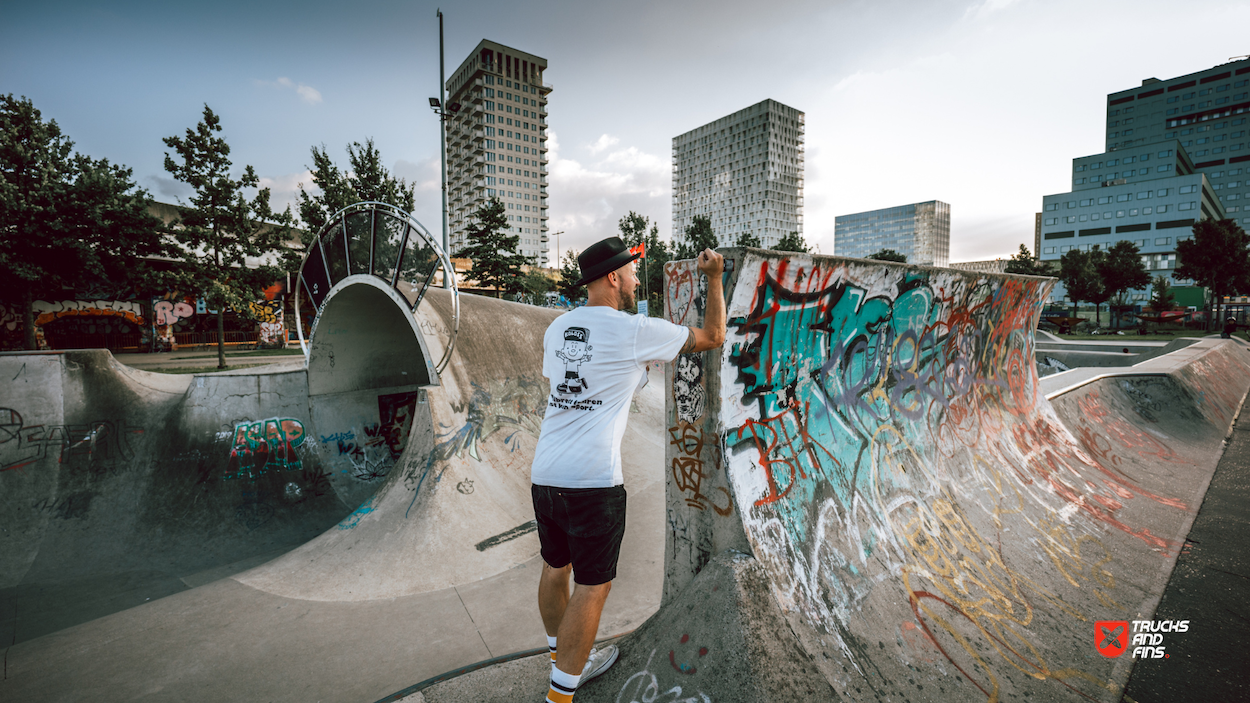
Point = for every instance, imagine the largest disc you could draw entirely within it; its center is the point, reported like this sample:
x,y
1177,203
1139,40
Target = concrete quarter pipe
x,y
329,532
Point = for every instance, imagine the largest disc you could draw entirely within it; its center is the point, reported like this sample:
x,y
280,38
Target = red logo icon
x,y
1111,637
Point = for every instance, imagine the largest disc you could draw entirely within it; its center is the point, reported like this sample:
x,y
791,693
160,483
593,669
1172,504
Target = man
x,y
595,357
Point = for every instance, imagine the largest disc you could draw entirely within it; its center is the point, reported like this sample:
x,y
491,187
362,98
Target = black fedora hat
x,y
603,257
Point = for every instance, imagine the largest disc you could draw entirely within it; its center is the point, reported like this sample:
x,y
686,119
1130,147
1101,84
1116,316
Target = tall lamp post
x,y
557,236
436,104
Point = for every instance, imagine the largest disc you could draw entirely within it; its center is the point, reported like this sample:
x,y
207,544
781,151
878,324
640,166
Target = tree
x,y
1079,274
697,236
1217,258
221,228
1161,297
791,242
1122,269
67,220
650,268
570,273
490,247
1024,262
747,239
889,255
536,285
365,180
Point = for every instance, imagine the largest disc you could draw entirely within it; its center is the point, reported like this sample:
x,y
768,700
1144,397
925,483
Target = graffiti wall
x,y
702,520
922,511
83,322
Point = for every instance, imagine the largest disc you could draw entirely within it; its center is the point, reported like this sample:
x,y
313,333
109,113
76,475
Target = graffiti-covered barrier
x,y
932,528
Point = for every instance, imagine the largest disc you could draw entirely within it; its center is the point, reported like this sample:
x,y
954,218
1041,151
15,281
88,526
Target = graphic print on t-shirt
x,y
574,353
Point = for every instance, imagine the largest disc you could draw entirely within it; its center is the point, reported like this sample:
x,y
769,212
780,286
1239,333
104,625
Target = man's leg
x,y
579,625
553,596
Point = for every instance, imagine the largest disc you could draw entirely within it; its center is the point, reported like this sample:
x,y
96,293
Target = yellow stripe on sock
x,y
554,696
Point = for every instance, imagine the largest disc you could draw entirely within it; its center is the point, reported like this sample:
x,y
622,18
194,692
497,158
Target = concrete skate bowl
x,y
871,497
120,486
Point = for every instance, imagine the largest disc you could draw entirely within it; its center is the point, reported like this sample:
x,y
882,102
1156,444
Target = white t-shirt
x,y
595,357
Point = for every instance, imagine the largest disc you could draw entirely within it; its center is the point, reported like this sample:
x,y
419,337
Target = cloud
x,y
284,189
307,93
169,190
590,195
603,142
982,10
311,95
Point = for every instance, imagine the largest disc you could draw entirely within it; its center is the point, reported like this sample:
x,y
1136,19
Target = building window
x,y
1187,206
1163,241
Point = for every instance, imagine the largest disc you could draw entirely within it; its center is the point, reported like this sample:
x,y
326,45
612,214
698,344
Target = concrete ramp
x,y
873,439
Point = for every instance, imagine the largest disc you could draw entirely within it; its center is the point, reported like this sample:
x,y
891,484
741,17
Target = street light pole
x,y
442,142
557,235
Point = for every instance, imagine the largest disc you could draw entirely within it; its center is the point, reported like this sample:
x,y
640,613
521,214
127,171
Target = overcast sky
x,y
979,104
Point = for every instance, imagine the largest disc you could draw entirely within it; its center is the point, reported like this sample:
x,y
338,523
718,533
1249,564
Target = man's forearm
x,y
714,311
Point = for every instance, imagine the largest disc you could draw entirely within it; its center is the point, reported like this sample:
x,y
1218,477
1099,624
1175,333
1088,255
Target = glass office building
x,y
919,231
1176,154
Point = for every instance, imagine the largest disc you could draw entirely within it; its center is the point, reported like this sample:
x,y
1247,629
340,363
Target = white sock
x,y
551,647
562,686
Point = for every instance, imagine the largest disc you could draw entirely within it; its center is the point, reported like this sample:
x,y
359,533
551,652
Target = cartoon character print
x,y
575,352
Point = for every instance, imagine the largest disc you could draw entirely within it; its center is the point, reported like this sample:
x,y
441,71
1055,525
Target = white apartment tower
x,y
497,144
744,172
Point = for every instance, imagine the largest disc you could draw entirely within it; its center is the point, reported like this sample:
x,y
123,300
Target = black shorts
x,y
582,526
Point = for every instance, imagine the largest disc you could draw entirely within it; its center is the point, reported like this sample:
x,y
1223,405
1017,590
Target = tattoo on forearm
x,y
689,346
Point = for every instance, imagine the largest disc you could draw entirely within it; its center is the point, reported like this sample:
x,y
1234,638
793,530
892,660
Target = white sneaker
x,y
599,661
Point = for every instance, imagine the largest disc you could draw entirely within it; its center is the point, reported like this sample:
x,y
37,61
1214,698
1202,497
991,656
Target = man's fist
x,y
710,263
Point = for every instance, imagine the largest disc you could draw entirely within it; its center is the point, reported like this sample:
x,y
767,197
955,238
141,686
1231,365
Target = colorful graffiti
x,y
859,405
270,316
267,445
168,312
644,687
690,472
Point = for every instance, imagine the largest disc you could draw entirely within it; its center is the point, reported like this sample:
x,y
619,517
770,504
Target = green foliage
x,y
1161,297
1024,262
1078,270
365,180
1217,258
748,239
1121,269
650,269
791,242
67,220
570,273
889,255
536,284
221,228
490,247
697,236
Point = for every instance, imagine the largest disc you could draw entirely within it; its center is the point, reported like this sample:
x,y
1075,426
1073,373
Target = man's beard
x,y
627,300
